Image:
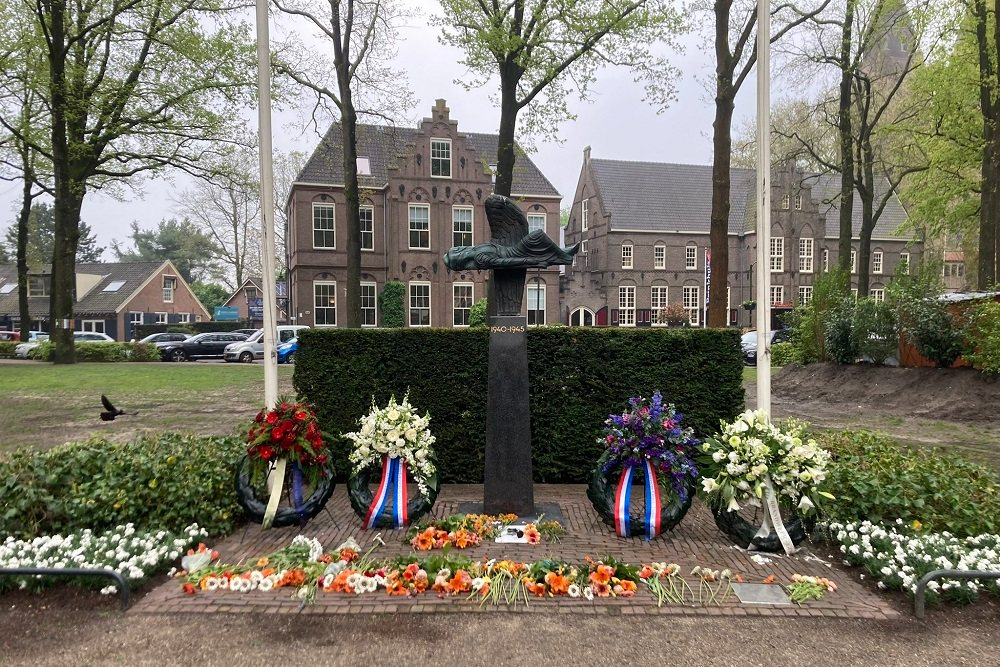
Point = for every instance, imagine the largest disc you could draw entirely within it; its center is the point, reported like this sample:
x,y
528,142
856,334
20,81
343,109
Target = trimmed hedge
x,y
102,352
165,481
577,377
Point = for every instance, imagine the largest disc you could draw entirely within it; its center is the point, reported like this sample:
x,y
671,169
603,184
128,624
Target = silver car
x,y
253,347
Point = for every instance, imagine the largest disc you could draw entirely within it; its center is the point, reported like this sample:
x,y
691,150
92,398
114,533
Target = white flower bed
x,y
897,558
135,555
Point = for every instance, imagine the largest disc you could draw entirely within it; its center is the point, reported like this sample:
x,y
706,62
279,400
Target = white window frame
x,y
161,318
659,256
826,259
776,258
691,257
411,308
363,165
798,202
333,225
540,295
777,294
805,255
877,295
626,305
455,309
326,308
785,199
132,317
805,294
584,211
854,260
583,247
373,308
584,314
904,261
454,222
627,256
370,232
658,295
168,292
438,143
536,221
183,318
410,229
691,298
95,326
877,262
46,286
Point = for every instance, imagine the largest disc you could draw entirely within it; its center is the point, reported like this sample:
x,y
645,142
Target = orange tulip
x,y
558,583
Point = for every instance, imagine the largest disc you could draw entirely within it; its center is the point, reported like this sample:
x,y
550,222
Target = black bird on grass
x,y
112,411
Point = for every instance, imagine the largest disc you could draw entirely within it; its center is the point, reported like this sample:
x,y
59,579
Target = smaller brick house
x,y
248,300
111,298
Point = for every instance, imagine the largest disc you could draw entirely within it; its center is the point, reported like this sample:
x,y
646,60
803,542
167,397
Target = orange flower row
x,y
433,538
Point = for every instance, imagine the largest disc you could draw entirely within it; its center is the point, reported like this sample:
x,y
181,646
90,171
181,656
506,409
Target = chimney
x,y
440,110
586,154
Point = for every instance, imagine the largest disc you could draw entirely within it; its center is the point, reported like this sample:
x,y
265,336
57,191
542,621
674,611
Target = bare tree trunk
x,y
988,218
22,247
846,142
866,188
509,75
349,126
722,143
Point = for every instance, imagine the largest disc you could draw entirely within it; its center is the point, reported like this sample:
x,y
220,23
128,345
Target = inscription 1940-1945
x,y
508,329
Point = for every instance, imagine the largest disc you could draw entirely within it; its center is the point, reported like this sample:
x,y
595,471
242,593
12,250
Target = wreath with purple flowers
x,y
646,442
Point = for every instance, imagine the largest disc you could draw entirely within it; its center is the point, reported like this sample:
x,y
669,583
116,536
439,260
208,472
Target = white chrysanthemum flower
x,y
588,593
573,591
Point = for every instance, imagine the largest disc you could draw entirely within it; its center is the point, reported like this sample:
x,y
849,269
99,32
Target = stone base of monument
x,y
548,512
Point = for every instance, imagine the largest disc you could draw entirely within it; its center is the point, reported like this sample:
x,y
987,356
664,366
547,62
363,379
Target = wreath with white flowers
x,y
396,431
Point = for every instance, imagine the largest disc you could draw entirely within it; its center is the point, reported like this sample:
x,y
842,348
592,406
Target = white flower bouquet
x,y
395,431
751,453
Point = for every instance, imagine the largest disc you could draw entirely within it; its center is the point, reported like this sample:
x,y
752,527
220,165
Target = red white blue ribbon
x,y
623,497
392,485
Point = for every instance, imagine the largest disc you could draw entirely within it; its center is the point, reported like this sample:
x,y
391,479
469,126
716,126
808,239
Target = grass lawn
x,y
46,405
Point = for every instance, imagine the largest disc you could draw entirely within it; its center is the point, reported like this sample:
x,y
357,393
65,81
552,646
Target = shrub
x,y
874,330
391,304
841,343
809,322
981,324
783,354
102,352
875,479
577,377
931,328
477,316
165,481
7,349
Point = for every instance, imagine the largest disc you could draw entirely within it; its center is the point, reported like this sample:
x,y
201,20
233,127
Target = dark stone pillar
x,y
508,481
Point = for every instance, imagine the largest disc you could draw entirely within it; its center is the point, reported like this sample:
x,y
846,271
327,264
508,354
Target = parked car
x,y
286,351
246,332
25,350
253,347
166,337
202,346
10,336
748,343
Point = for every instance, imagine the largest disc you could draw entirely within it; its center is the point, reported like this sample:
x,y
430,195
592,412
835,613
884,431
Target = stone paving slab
x,y
696,541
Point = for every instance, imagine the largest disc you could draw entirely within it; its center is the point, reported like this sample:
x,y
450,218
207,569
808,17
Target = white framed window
x,y
169,286
626,256
777,259
366,215
134,317
420,304
877,261
798,202
777,294
325,303
441,158
854,260
97,326
657,302
805,294
324,227
626,305
536,221
420,226
39,285
536,304
805,255
784,201
583,247
691,298
904,263
493,174
954,269
826,259
691,257
184,318
659,256
878,295
461,225
581,317
369,304
461,304
161,318
584,212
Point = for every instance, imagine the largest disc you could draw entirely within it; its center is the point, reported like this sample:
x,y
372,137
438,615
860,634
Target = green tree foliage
x,y
809,322
924,319
390,302
477,316
41,236
192,251
982,332
210,294
541,51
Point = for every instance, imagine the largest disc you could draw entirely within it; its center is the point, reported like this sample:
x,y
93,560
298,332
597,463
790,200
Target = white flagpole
x,y
763,205
267,203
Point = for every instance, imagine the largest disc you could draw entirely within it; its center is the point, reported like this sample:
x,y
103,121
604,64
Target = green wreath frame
x,y
254,507
743,533
361,498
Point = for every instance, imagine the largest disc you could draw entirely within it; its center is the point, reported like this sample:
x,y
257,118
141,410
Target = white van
x,y
253,347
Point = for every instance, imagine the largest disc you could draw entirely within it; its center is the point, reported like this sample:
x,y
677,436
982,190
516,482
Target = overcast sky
x,y
617,124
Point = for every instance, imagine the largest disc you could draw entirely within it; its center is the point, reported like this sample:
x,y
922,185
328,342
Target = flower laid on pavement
x,y
804,588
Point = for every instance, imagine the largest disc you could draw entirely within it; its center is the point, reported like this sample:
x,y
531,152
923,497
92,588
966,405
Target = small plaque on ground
x,y
761,594
513,534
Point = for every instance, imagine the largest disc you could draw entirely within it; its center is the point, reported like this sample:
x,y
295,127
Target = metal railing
x,y
75,572
920,593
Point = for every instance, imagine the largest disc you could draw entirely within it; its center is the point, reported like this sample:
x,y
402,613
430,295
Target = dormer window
x,y
39,285
169,285
441,158
364,166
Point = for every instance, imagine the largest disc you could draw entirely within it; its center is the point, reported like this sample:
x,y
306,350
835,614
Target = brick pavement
x,y
696,541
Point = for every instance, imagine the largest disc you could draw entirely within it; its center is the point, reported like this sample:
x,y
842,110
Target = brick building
x,y
645,229
422,192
